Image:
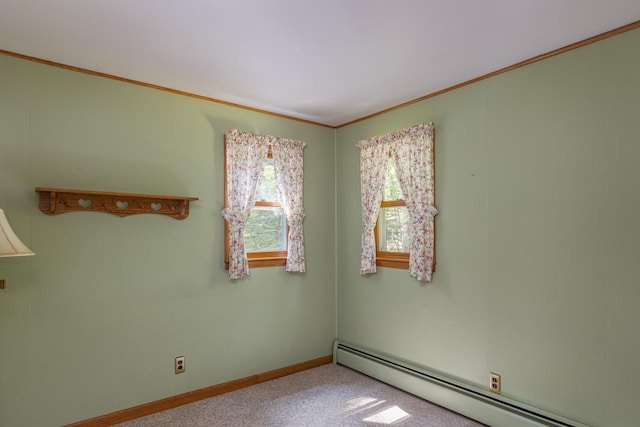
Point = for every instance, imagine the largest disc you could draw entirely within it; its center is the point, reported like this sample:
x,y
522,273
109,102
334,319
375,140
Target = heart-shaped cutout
x,y
156,206
85,203
122,205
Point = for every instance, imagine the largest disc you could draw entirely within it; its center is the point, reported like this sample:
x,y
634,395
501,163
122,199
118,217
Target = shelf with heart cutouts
x,y
54,201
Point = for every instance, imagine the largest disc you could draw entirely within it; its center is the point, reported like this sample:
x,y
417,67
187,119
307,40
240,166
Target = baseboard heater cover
x,y
473,402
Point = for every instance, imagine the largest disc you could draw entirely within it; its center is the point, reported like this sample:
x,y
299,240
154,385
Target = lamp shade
x,y
10,245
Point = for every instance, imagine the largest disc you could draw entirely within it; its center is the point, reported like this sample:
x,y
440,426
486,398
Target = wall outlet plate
x,y
179,364
495,382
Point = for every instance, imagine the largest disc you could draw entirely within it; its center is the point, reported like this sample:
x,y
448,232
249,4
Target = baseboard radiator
x,y
481,405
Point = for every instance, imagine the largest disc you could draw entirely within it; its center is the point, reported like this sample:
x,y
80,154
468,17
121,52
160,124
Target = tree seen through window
x,y
393,219
266,228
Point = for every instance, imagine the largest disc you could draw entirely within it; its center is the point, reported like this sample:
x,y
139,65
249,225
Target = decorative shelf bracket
x,y
54,201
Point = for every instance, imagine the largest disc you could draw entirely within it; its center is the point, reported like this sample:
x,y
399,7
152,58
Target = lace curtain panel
x,y
246,153
373,157
412,153
288,163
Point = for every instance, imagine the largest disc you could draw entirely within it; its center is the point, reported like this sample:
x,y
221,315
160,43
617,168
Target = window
x,y
393,238
398,201
265,232
263,210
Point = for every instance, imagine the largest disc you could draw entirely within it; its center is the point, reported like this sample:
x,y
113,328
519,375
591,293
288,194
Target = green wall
x,y
537,237
91,324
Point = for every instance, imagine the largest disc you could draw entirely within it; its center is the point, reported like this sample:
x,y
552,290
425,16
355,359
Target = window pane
x,y
393,229
392,189
265,230
267,190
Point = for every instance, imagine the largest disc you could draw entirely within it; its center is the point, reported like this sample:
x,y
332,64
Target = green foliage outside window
x,y
265,230
393,222
266,227
393,229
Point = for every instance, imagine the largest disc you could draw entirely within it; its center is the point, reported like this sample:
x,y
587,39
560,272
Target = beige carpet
x,y
330,395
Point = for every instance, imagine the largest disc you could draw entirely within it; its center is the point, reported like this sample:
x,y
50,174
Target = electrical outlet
x,y
495,382
179,364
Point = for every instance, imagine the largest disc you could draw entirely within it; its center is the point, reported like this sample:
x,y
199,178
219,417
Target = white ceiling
x,y
326,61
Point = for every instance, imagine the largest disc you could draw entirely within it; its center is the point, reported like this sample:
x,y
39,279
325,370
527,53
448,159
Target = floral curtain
x,y
412,152
373,156
245,156
413,156
288,162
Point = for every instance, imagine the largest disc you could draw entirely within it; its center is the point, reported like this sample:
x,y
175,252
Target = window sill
x,y
264,259
267,262
392,260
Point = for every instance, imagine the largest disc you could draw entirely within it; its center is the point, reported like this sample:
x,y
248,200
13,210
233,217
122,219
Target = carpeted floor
x,y
330,395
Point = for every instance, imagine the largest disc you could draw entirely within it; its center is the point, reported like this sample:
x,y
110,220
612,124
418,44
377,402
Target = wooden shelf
x,y
54,201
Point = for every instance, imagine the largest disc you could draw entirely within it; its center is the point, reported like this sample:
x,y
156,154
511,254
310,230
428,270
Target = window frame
x,y
255,259
386,258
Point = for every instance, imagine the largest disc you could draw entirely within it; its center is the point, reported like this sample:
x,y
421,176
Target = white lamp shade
x,y
10,245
